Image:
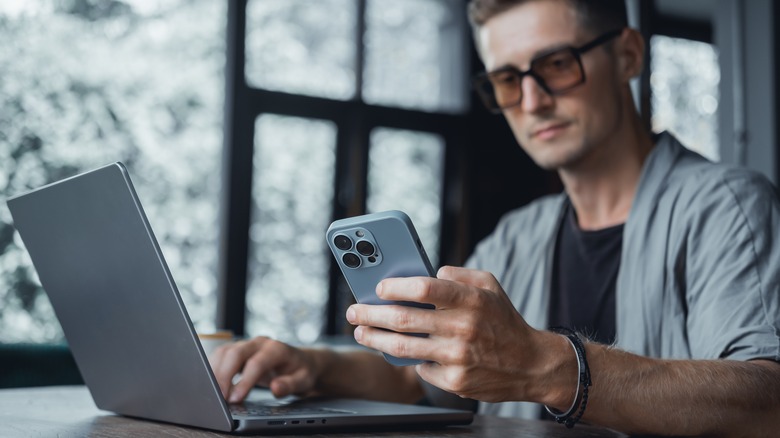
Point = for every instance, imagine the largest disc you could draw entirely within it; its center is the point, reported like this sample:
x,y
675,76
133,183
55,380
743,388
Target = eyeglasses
x,y
556,72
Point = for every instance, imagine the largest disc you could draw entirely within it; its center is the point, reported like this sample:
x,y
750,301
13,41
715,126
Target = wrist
x,y
320,362
576,410
558,386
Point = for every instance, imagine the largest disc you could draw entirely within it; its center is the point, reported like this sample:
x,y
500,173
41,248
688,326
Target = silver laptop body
x,y
128,329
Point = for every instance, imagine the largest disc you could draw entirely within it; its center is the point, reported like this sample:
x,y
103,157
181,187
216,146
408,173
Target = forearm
x,y
640,395
364,374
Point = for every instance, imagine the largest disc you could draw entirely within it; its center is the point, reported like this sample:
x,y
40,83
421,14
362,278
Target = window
x,y
326,108
405,171
302,46
355,102
292,194
684,82
89,83
412,57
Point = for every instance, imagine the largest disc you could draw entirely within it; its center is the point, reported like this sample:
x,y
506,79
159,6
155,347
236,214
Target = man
x,y
692,301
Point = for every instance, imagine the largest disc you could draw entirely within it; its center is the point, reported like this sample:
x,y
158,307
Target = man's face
x,y
562,131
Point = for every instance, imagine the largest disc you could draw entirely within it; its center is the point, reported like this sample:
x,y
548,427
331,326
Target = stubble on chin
x,y
555,157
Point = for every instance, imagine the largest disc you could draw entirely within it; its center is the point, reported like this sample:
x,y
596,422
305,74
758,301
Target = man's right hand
x,y
284,369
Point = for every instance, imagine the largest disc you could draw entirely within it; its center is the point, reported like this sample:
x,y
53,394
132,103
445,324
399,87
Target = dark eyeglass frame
x,y
484,86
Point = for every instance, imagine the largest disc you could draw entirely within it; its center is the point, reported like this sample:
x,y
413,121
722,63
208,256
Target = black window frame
x,y
354,119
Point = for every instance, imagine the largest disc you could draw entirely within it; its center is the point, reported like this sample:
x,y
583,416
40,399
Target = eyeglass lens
x,y
555,72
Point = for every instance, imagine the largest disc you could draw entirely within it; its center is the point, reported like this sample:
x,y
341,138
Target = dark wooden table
x,y
68,411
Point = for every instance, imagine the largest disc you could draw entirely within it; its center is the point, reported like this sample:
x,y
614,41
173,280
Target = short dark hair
x,y
596,16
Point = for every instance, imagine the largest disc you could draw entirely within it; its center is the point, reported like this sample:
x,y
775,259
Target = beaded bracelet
x,y
583,382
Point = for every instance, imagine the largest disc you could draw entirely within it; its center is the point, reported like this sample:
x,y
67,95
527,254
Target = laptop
x,y
129,331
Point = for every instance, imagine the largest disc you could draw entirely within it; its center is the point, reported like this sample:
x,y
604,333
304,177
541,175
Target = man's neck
x,y
602,187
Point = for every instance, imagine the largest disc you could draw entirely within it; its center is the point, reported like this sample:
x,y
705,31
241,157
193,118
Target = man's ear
x,y
630,53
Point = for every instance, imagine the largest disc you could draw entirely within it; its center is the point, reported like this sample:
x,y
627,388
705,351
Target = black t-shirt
x,y
585,271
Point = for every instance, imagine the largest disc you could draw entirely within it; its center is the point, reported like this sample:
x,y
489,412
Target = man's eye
x,y
558,62
503,79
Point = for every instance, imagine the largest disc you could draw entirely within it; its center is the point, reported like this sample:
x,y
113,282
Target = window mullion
x,y
360,52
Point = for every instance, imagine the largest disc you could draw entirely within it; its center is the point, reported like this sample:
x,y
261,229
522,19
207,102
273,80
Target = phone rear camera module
x,y
351,260
365,248
342,242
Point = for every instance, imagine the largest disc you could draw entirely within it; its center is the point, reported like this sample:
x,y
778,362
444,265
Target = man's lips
x,y
549,130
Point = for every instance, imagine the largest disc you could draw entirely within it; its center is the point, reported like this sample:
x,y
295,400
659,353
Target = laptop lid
x,y
111,290
125,322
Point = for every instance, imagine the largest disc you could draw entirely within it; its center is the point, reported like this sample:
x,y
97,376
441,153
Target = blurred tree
x,y
88,82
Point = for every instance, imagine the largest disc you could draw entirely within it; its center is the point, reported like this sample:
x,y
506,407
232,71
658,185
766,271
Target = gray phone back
x,y
378,246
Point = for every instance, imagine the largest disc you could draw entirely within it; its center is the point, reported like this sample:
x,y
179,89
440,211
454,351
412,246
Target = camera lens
x,y
342,242
351,260
365,247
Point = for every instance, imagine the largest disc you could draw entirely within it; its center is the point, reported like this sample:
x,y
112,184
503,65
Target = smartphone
x,y
376,246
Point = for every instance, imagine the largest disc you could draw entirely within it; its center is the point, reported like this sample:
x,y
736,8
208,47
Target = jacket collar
x,y
655,171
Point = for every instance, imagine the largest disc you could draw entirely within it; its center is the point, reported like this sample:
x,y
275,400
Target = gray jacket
x,y
698,277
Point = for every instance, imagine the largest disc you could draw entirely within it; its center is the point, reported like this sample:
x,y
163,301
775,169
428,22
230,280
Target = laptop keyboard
x,y
263,410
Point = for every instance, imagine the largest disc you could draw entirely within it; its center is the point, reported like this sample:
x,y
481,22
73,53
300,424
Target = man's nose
x,y
535,98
